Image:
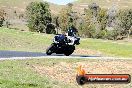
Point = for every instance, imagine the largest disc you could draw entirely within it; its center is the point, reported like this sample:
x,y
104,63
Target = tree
x,y
94,8
2,17
112,12
87,26
67,17
63,19
102,18
38,15
125,21
70,6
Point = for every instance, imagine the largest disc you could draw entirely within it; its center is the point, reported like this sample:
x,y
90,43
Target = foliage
x,y
94,9
125,21
96,20
2,17
38,15
94,23
50,28
67,17
112,34
112,16
102,18
63,19
87,30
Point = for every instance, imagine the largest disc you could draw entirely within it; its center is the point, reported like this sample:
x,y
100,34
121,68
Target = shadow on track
x,y
10,54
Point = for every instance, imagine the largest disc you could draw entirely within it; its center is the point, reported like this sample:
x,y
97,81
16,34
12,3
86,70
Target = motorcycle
x,y
65,45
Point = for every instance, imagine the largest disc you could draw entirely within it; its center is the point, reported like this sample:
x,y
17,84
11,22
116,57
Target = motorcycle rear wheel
x,y
69,50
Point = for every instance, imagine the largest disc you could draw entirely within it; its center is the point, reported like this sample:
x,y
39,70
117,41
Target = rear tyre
x,y
49,50
67,54
69,50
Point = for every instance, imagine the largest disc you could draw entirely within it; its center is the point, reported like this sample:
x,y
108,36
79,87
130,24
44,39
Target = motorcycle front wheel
x,y
49,50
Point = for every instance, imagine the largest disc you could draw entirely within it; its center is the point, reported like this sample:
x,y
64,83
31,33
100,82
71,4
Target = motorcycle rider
x,y
65,37
72,31
72,34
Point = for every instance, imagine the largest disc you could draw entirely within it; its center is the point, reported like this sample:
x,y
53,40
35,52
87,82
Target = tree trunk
x,y
129,31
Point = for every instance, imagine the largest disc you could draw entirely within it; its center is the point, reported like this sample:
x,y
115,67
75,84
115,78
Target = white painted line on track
x,y
66,57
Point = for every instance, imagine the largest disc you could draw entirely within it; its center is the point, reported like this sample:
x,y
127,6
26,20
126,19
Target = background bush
x,y
39,16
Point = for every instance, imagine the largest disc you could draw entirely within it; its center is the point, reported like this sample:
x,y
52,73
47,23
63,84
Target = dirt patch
x,y
66,72
87,52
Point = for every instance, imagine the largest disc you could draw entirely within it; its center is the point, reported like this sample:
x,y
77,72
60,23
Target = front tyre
x,y
49,50
69,50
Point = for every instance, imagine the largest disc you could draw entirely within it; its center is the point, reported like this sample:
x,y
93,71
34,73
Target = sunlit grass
x,y
19,74
29,41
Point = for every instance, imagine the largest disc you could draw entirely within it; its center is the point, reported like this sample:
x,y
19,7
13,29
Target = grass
x,y
108,47
19,74
29,41
18,3
23,41
109,3
22,73
102,3
20,6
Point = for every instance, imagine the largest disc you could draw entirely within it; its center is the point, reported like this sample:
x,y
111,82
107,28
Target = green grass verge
x,y
113,48
19,74
23,41
29,41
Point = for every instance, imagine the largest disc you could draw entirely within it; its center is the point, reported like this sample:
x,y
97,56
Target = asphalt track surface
x,y
8,55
